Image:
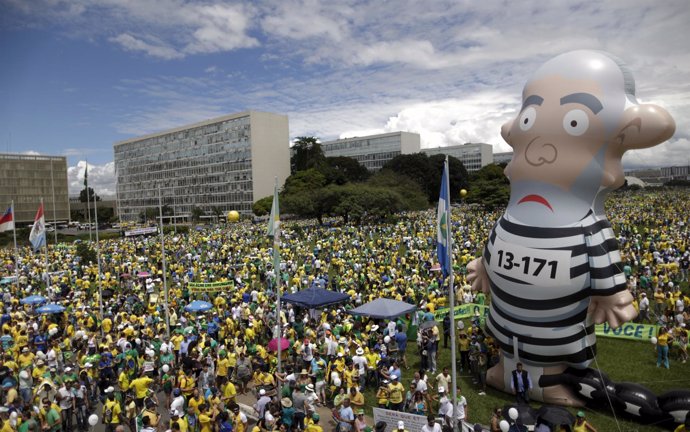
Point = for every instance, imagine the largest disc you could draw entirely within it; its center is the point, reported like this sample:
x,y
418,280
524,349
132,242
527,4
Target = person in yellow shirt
x,y
229,392
383,394
107,325
397,394
141,387
181,421
222,368
39,370
26,358
111,413
313,425
123,379
186,384
194,403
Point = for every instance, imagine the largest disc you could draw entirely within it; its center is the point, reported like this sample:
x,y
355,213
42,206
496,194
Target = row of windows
x,y
235,126
132,213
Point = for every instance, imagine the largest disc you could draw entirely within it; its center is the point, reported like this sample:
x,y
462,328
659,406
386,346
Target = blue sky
x,y
79,75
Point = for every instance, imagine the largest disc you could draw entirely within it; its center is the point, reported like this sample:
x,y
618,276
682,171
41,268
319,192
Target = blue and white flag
x,y
37,237
443,246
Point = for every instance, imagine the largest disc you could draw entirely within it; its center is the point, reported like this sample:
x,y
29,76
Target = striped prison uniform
x,y
547,314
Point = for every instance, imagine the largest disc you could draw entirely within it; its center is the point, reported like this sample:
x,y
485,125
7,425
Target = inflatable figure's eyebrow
x,y
532,100
586,99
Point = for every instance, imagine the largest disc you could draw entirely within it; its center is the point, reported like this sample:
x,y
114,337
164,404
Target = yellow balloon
x,y
463,192
233,216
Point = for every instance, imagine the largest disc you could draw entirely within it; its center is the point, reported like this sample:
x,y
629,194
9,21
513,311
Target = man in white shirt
x,y
644,308
361,362
66,401
431,425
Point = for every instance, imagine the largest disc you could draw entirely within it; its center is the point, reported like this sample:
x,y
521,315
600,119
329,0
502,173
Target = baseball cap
x,y
401,425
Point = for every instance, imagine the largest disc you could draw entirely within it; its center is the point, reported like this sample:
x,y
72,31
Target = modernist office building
x,y
373,151
503,158
28,178
226,163
473,155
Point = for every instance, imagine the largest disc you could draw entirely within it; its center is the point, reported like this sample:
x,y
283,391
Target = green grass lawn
x,y
621,360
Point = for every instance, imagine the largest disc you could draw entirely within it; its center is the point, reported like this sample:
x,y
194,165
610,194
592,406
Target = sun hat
x,y
286,402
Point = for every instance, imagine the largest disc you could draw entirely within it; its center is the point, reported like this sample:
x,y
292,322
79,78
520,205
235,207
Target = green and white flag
x,y
274,220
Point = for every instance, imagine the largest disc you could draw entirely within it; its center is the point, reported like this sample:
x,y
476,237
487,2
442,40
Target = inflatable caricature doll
x,y
551,262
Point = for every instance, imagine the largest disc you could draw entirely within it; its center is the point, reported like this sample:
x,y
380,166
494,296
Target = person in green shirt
x,y
29,423
51,418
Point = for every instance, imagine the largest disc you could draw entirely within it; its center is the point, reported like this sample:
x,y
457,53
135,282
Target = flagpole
x,y
45,241
451,293
98,256
16,252
276,269
52,186
165,281
88,198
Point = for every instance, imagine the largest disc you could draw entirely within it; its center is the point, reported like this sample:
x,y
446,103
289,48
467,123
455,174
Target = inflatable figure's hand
x,y
476,275
615,309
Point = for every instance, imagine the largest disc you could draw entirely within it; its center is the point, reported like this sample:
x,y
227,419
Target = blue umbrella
x,y
51,309
33,300
198,306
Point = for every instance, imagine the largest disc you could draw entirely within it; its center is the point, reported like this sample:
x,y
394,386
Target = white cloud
x,y
165,29
450,70
131,43
101,178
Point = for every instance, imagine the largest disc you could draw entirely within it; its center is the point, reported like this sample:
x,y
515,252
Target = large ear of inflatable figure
x,y
552,262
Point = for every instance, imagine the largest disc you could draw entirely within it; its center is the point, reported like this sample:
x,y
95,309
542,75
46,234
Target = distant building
x,y
503,158
676,173
650,176
473,155
226,163
373,151
28,178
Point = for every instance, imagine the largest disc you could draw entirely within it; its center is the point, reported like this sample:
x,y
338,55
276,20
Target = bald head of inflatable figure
x,y
579,115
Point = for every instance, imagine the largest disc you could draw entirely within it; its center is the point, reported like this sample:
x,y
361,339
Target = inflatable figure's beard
x,y
545,205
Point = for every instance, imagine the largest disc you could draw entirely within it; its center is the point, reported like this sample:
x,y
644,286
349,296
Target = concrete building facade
x,y
226,163
473,155
373,151
28,178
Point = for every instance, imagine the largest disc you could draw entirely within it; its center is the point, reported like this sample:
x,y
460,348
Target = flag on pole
x,y
274,220
38,231
7,221
443,219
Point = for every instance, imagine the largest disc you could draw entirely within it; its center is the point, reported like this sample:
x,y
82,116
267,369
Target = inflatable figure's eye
x,y
529,115
576,122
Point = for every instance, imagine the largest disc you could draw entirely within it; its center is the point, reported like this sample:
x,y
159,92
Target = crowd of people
x,y
116,351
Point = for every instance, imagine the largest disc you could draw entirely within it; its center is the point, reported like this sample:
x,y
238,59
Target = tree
x,y
86,253
263,206
427,172
416,167
411,193
305,180
92,196
307,153
342,169
489,187
457,175
197,212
